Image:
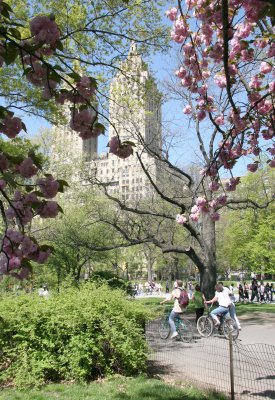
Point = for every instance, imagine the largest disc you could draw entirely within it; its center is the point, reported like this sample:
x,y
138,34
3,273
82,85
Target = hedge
x,y
79,334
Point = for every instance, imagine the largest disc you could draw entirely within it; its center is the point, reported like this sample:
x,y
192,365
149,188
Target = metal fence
x,y
248,374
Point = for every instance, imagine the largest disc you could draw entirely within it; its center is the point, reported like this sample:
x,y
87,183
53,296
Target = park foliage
x,y
78,335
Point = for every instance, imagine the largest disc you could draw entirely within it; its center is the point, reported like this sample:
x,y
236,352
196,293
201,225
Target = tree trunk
x,y
208,271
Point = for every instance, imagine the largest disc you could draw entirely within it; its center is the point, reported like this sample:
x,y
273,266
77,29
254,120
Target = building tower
x,y
135,115
135,112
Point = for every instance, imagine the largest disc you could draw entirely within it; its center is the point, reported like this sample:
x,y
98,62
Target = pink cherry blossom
x,y
271,87
201,115
214,186
44,30
172,13
181,219
4,163
252,167
11,126
195,217
27,169
48,186
231,185
255,82
222,200
220,80
219,120
3,184
50,209
214,216
187,110
81,121
201,202
42,256
120,149
265,67
85,87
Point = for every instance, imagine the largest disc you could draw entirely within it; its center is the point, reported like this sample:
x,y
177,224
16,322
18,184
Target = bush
x,y
79,335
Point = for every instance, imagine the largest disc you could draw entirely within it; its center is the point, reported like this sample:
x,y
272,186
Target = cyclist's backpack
x,y
183,299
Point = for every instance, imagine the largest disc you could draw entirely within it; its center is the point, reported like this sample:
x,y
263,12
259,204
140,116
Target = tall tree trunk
x,y
208,271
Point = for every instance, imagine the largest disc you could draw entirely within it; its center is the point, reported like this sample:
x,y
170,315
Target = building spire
x,y
133,49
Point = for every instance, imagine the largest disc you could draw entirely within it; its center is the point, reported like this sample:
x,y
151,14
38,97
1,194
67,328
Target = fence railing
x,y
248,373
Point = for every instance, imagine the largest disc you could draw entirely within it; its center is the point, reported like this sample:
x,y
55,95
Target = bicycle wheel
x,y
229,326
185,331
164,329
205,326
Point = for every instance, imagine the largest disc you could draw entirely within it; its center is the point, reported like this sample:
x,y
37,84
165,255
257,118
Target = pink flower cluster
x,y
122,150
48,186
181,219
17,248
84,123
11,126
23,207
45,30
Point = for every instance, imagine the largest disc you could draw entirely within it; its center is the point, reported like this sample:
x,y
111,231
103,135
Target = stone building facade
x,y
134,115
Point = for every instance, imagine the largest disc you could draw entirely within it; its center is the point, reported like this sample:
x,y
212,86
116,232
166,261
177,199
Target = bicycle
x,y
206,325
183,327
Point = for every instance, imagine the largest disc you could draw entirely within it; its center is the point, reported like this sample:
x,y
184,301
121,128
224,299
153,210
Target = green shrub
x,y
79,335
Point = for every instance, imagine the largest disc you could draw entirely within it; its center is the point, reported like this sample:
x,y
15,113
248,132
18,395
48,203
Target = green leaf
x,y
15,33
15,159
28,188
38,193
100,126
76,77
11,54
8,177
59,46
130,143
60,209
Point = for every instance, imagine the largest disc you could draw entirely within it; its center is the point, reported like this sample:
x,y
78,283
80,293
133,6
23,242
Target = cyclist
x,y
223,299
177,309
232,307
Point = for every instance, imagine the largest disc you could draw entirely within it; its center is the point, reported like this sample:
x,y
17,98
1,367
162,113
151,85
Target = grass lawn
x,y
116,388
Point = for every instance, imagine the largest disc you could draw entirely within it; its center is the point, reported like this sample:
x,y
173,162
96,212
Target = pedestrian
x,y
241,293
261,289
167,286
46,292
177,309
267,292
271,292
254,290
190,290
198,300
41,291
246,292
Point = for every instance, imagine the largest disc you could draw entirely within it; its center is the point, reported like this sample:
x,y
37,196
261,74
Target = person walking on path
x,y
198,300
177,309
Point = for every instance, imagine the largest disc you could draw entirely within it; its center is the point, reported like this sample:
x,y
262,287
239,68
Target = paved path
x,y
206,361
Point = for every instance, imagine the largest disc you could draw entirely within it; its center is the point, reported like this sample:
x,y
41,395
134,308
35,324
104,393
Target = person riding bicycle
x,y
223,299
177,309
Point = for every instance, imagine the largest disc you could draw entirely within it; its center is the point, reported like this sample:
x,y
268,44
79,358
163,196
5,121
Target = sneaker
x,y
175,334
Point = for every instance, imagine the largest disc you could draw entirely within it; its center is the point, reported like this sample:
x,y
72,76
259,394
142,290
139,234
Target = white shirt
x,y
223,297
